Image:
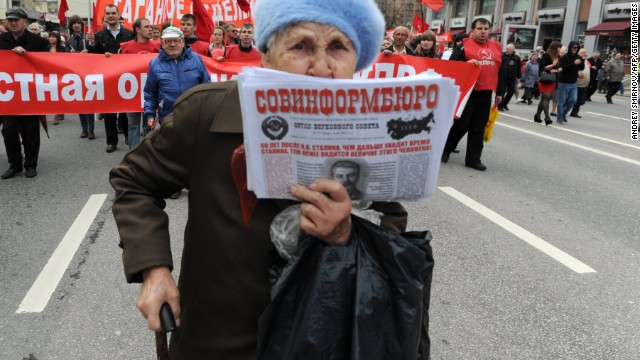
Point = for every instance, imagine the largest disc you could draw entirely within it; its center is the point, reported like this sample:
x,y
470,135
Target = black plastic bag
x,y
361,301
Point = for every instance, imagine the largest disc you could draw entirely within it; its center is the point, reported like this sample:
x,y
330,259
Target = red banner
x,y
159,11
65,83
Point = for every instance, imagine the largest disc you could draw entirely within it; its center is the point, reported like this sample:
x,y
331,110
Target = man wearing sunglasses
x,y
571,63
231,35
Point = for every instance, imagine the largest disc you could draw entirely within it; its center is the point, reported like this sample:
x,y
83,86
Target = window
x,y
553,3
487,7
518,5
461,9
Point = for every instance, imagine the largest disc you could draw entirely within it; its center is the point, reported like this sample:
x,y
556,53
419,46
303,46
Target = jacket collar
x,y
228,119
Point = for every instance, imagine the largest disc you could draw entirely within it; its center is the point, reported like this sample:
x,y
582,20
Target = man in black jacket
x,y
511,70
20,42
570,63
596,64
400,36
107,41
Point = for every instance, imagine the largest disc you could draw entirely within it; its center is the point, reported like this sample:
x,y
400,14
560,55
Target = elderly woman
x,y
223,285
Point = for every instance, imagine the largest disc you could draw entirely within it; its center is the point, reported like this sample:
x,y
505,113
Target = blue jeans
x,y
134,128
582,98
87,121
567,96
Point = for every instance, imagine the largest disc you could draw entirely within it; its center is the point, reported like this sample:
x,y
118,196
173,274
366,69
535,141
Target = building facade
x,y
602,25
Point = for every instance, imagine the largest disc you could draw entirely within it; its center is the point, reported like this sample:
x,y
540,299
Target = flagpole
x,y
90,5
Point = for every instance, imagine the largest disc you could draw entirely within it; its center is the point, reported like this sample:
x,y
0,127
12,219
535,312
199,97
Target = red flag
x,y
94,22
61,10
419,24
203,19
434,5
244,5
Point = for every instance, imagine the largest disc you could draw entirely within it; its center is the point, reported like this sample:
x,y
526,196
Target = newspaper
x,y
381,138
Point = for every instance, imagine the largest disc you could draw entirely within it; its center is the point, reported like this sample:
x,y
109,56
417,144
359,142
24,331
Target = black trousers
x,y
511,89
472,121
111,128
123,123
593,86
613,88
27,127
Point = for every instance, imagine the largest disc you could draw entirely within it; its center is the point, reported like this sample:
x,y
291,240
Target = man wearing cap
x,y
176,62
107,41
20,42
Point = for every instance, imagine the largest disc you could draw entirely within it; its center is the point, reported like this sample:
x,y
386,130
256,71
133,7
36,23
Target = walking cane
x,y
168,324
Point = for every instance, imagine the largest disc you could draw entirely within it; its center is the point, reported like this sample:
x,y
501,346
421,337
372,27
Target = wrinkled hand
x,y
157,288
325,210
387,52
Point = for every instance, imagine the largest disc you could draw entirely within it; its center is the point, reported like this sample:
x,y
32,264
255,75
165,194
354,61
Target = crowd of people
x,y
562,78
576,77
179,45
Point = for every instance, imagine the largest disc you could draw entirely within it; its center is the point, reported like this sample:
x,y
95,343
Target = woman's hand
x,y
325,210
157,288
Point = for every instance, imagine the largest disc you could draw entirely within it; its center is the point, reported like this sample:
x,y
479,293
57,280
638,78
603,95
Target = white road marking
x,y
557,254
609,116
38,296
578,132
600,152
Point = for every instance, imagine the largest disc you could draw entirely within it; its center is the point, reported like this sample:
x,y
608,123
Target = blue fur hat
x,y
360,20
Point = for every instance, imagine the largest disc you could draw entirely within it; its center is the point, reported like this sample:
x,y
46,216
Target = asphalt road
x,y
536,258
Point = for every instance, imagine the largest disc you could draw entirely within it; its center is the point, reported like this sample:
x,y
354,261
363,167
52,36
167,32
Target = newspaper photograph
x,y
381,138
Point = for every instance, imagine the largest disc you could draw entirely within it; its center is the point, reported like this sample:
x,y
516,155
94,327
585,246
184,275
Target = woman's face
x,y
313,49
426,44
53,40
218,35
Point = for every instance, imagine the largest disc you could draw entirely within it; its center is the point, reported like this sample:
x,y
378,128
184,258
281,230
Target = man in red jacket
x,y
246,49
487,55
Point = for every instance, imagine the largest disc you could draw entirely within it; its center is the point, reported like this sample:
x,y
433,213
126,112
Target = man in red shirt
x,y
246,49
188,26
486,54
142,44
